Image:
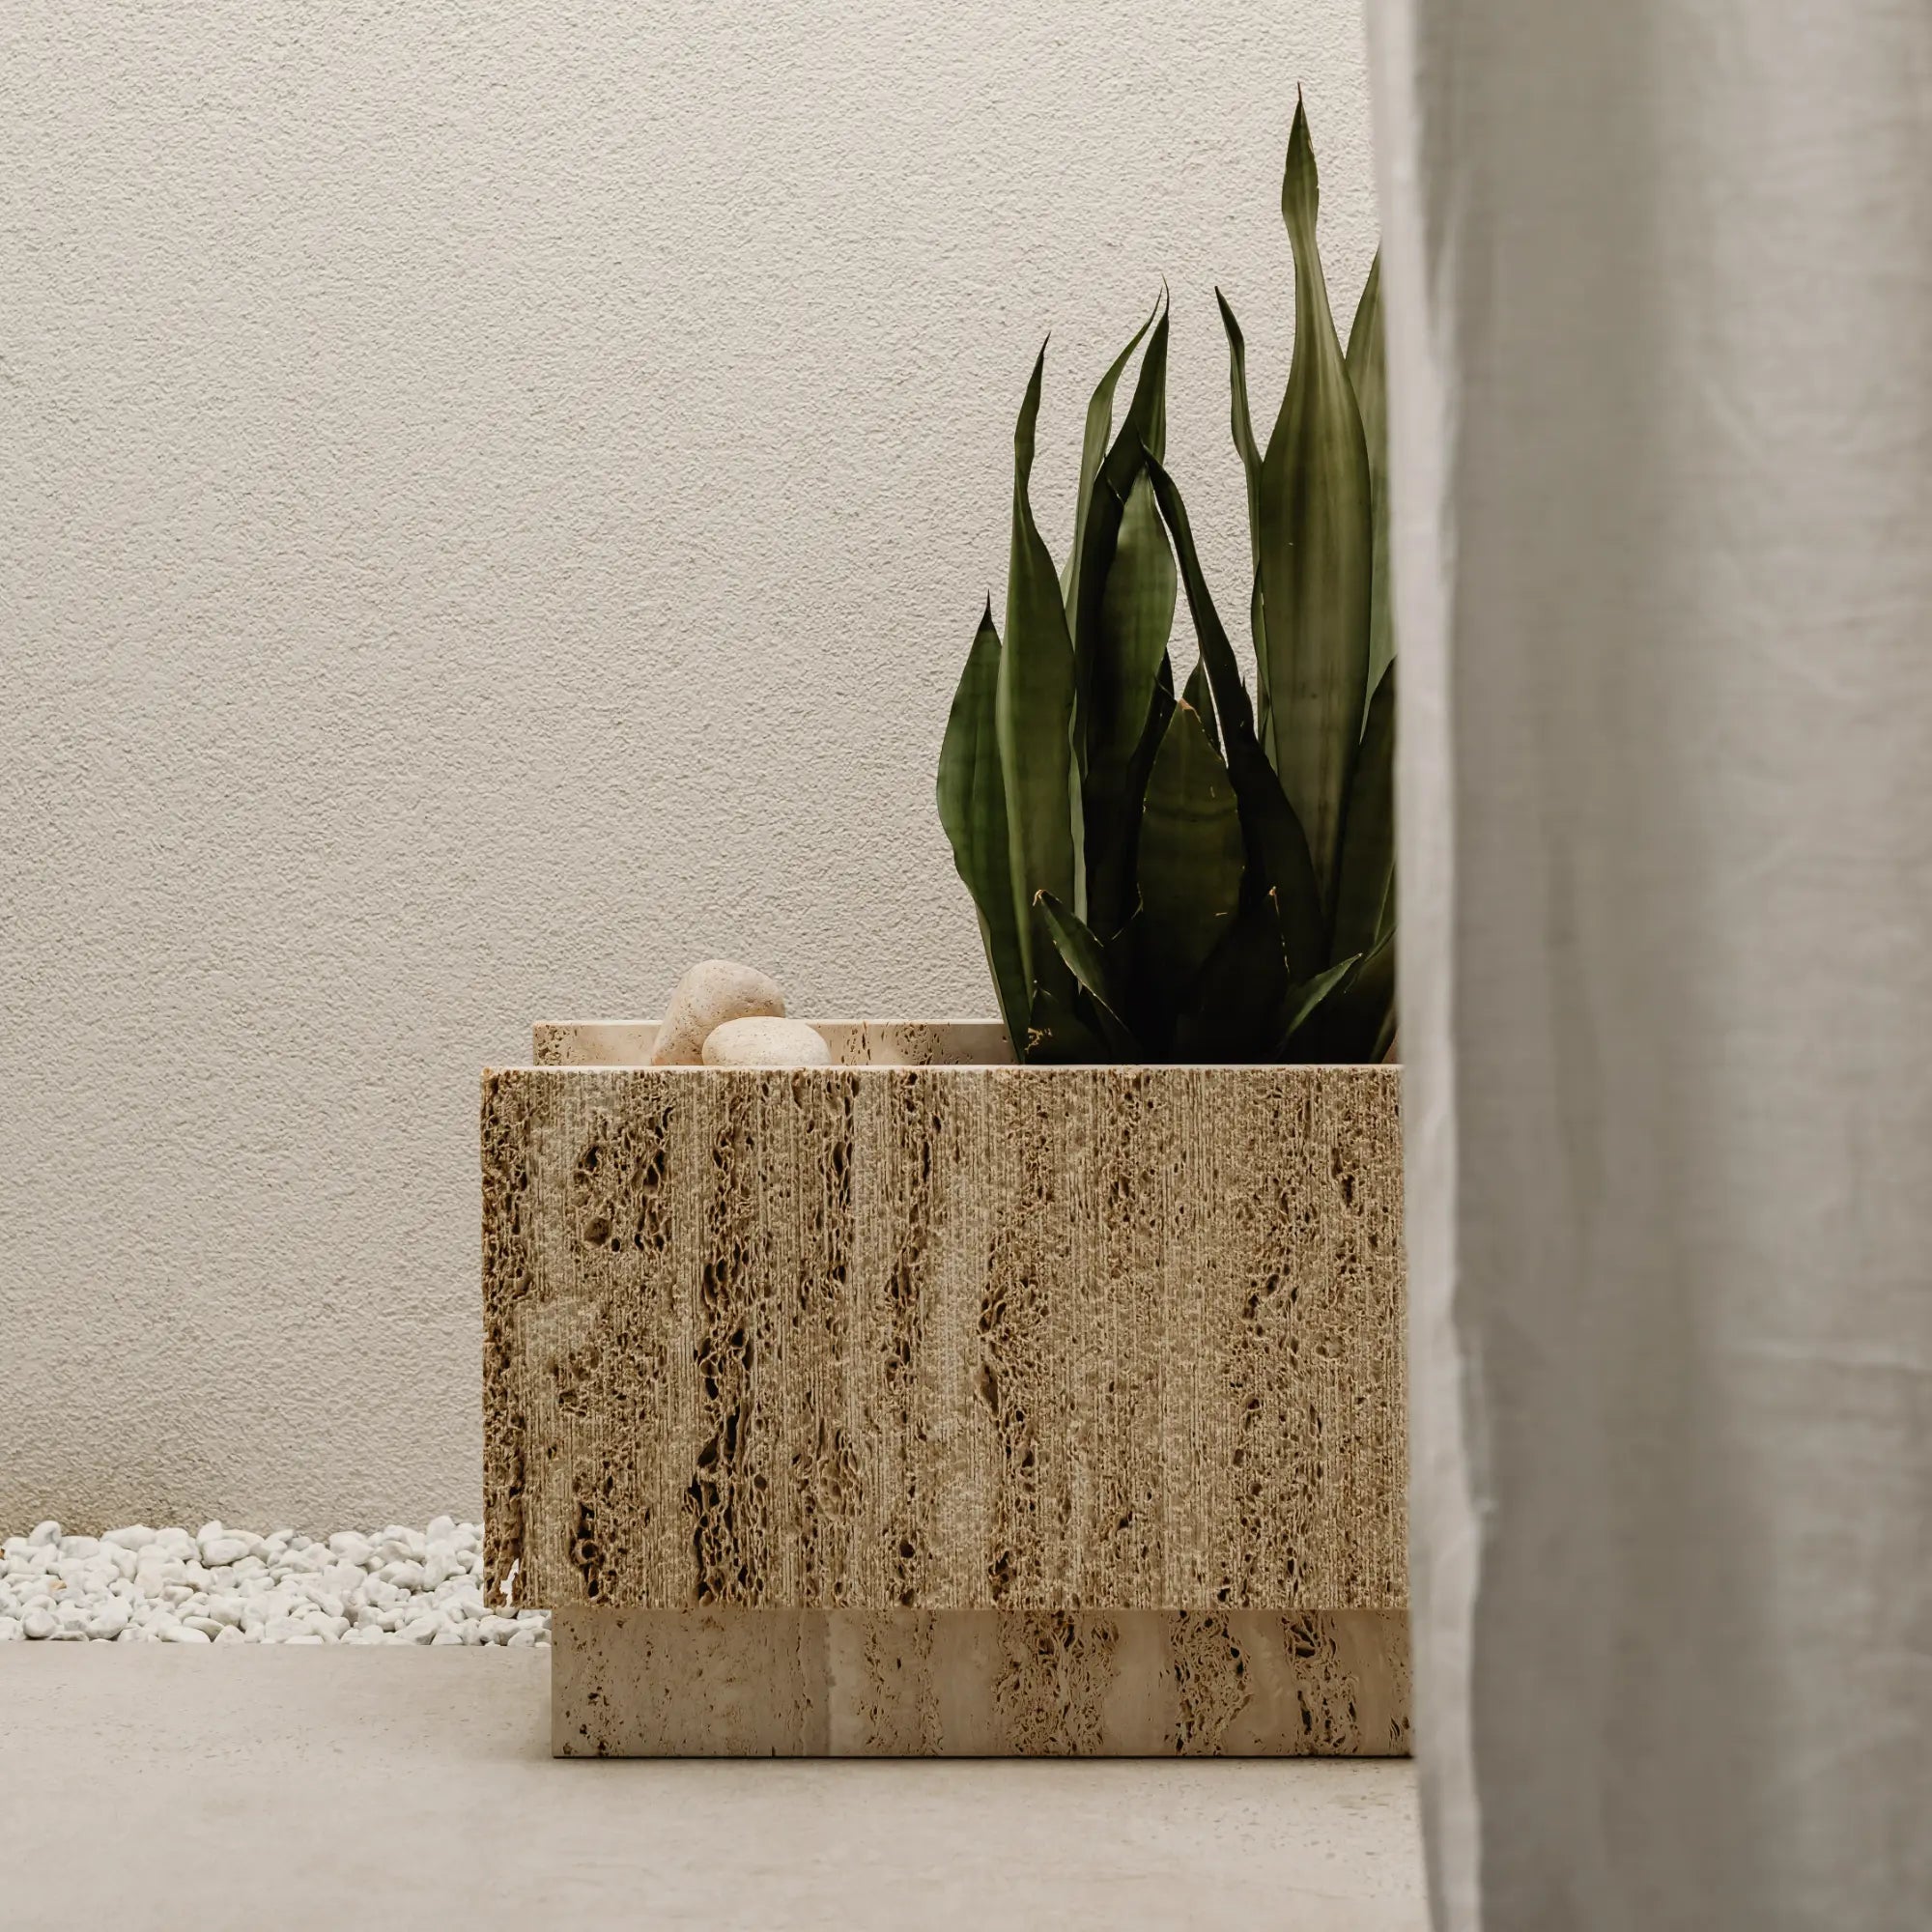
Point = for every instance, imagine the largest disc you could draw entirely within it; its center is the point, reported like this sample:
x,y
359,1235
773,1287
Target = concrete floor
x,y
163,1787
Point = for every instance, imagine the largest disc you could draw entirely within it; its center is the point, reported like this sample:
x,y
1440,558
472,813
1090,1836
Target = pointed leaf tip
x,y
1085,957
1317,547
1034,705
1093,448
1300,188
1246,447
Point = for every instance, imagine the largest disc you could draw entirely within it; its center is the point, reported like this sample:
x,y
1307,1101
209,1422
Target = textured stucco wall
x,y
493,500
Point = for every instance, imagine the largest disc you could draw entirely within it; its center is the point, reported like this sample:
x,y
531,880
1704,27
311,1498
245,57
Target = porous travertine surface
x,y
754,1683
852,1043
945,1338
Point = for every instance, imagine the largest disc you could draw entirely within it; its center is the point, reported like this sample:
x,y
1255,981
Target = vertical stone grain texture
x,y
961,1338
776,1683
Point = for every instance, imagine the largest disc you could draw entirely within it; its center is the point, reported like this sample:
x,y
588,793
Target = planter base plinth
x,y
772,1683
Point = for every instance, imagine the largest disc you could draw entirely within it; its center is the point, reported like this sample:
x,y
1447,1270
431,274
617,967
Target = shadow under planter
x,y
950,1407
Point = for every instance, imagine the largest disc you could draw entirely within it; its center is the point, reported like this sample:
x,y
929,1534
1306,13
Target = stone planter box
x,y
947,1406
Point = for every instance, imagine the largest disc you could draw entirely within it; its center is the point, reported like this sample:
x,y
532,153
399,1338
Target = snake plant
x,y
1171,871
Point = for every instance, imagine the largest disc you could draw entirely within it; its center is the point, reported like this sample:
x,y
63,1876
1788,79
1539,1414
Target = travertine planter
x,y
947,1407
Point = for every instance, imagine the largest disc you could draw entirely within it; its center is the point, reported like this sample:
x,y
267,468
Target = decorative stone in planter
x,y
947,1406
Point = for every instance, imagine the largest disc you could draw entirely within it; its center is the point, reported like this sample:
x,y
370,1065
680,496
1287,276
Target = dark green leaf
x,y
1249,451
1034,715
1368,833
1317,551
1104,681
1277,851
1086,959
1136,614
1251,469
1307,998
1234,1007
1092,447
1200,694
1343,1028
1136,618
1145,423
1244,431
1258,630
1191,860
1367,371
973,809
1367,1009
1056,1033
1144,428
1113,838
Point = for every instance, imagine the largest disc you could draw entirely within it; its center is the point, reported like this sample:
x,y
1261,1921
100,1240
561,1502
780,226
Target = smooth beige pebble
x,y
712,993
766,1042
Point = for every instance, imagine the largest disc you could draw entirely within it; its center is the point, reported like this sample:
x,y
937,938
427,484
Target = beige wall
x,y
493,500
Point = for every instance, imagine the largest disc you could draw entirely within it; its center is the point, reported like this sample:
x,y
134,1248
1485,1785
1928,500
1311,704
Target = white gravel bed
x,y
222,1585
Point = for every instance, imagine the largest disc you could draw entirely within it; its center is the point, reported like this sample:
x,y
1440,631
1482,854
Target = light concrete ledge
x,y
158,1786
748,1682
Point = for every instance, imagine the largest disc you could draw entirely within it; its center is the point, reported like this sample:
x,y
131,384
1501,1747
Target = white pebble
x,y
138,1584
